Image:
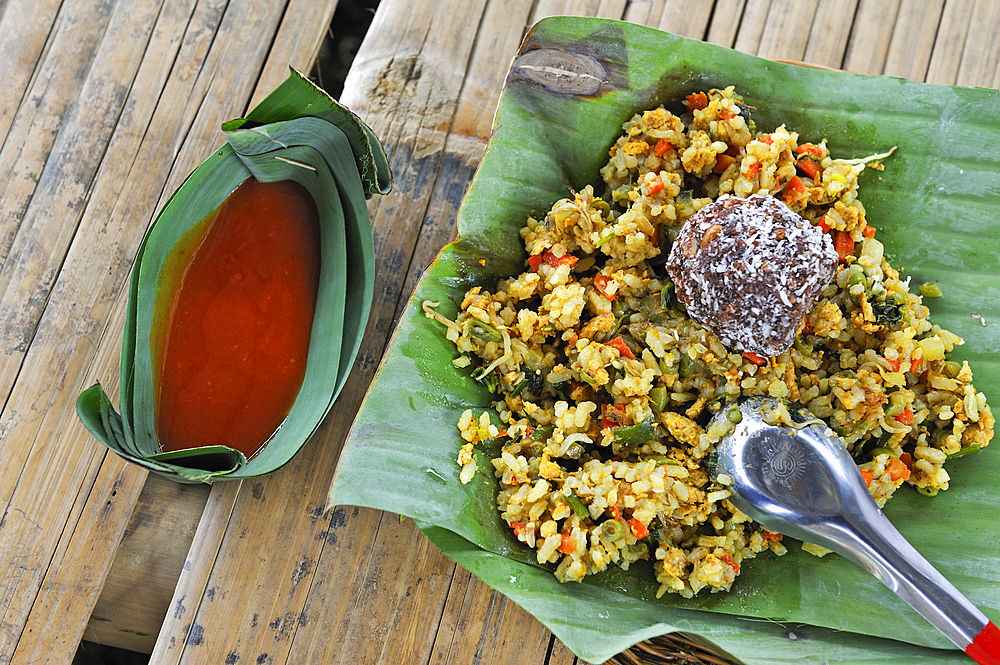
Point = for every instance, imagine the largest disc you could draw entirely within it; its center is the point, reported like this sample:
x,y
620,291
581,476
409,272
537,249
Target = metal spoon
x,y
803,483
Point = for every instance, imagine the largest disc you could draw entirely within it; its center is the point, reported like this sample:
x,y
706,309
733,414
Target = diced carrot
x,y
534,262
728,560
844,244
722,163
906,417
868,476
566,544
556,261
907,460
771,535
518,528
654,186
795,187
638,528
894,364
810,149
616,512
527,432
897,470
727,114
619,344
767,138
754,358
809,167
868,232
751,171
662,147
697,100
601,284
823,225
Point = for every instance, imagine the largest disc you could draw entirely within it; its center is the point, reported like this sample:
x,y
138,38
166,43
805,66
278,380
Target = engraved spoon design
x,y
804,483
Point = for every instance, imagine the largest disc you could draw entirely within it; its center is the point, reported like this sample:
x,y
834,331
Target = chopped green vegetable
x,y
884,451
930,290
966,450
484,331
887,313
635,435
658,399
952,368
690,366
734,415
542,433
576,503
613,530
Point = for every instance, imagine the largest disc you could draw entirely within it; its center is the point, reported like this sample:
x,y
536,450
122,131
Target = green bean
x,y
658,399
618,308
591,381
884,451
577,505
635,435
485,331
930,290
895,408
966,450
803,347
690,366
662,459
667,367
612,530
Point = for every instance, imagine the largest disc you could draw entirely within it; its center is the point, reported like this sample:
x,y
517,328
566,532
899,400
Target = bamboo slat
x,y
752,24
982,51
726,17
688,19
871,35
787,29
913,39
831,29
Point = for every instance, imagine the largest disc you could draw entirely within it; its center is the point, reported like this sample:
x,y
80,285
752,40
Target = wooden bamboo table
x,y
104,108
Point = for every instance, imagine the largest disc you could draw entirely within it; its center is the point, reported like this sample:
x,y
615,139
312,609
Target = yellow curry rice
x,y
605,387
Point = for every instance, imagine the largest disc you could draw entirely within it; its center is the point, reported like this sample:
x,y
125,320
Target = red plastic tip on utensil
x,y
985,649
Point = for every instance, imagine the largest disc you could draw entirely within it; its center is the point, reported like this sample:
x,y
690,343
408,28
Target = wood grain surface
x,y
105,106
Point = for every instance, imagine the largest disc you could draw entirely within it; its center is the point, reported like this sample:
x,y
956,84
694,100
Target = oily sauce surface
x,y
235,330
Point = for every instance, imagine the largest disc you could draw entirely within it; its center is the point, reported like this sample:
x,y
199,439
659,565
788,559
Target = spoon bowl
x,y
789,471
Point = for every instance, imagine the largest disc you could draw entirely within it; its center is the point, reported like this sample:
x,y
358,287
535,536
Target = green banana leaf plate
x,y
937,207
296,133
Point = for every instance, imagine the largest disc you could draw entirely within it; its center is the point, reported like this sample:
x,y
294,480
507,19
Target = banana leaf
x,y
936,206
296,133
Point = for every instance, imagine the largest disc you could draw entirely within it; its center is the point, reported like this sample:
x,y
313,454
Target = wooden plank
x,y
950,42
687,19
24,31
787,29
752,25
644,12
726,21
982,49
152,553
913,39
546,8
868,46
830,33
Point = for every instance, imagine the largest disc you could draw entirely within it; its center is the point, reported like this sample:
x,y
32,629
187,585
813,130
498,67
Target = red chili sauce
x,y
231,328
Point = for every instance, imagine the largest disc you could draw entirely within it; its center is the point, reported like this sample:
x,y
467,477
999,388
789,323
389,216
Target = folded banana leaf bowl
x,y
297,134
937,207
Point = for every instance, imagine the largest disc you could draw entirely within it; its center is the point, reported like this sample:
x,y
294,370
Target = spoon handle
x,y
883,551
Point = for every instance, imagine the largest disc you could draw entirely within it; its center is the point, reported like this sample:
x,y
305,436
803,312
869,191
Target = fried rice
x,y
605,387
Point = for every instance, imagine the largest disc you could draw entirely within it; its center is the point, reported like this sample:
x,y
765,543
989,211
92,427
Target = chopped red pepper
x,y
727,114
867,476
616,512
894,364
771,535
767,138
722,163
534,262
823,225
810,149
907,460
601,284
809,167
610,415
566,544
698,100
619,344
868,232
527,432
638,528
654,185
662,147
754,358
906,417
751,171
518,528
844,244
728,560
